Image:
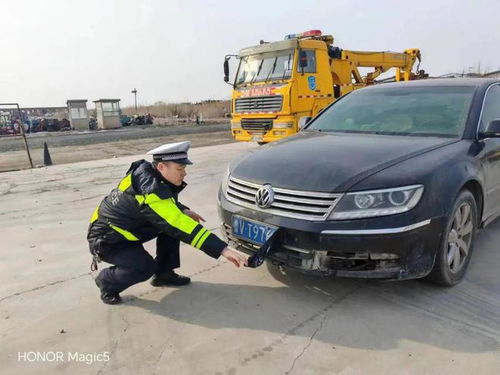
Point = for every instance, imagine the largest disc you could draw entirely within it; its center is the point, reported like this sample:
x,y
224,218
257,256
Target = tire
x,y
262,143
453,256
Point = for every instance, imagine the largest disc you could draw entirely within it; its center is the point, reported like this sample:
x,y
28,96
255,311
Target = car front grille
x,y
299,204
271,103
264,124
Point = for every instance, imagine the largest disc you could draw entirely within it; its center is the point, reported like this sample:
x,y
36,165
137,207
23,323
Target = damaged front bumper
x,y
344,250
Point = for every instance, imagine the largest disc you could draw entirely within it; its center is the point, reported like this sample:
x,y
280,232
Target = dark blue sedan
x,y
389,182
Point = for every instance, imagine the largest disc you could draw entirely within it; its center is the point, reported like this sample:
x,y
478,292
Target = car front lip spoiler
x,y
378,231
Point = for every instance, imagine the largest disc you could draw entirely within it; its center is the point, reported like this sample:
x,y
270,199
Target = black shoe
x,y
106,297
168,278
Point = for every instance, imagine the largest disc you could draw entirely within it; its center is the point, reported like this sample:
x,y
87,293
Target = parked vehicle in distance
x,y
93,123
388,182
146,119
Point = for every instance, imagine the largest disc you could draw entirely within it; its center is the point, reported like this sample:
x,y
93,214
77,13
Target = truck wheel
x,y
454,255
262,143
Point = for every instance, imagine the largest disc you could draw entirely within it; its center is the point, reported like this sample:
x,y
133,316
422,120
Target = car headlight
x,y
377,202
225,182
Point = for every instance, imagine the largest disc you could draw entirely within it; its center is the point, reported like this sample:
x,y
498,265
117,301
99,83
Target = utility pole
x,y
134,91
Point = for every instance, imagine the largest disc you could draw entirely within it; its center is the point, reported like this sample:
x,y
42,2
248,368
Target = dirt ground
x,y
15,160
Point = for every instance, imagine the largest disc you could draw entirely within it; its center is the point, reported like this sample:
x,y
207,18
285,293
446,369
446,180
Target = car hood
x,y
329,162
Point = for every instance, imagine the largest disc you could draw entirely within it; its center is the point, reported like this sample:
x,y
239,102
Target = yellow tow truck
x,y
279,86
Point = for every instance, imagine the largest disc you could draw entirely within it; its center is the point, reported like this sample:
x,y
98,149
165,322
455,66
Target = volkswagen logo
x,y
264,196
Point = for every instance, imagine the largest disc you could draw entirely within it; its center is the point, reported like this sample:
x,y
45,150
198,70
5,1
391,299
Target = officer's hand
x,y
193,215
235,257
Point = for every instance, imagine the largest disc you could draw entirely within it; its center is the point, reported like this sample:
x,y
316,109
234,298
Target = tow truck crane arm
x,y
349,61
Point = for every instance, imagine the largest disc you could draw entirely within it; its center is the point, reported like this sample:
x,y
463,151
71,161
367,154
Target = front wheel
x,y
454,254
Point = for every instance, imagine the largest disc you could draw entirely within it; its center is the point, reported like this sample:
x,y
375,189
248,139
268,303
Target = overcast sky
x,y
54,50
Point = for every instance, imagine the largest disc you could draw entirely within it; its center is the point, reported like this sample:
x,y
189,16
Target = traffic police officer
x,y
145,206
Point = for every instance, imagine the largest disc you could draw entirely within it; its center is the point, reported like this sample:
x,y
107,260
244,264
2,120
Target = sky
x,y
173,51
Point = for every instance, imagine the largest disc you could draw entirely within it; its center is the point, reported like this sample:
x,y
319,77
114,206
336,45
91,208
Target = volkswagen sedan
x,y
389,182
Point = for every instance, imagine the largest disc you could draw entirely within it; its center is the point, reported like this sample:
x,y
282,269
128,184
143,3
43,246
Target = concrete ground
x,y
228,320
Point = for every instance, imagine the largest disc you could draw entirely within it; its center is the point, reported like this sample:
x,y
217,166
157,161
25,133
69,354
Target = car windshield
x,y
419,111
266,66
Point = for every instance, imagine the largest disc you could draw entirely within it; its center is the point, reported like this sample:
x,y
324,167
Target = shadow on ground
x,y
355,313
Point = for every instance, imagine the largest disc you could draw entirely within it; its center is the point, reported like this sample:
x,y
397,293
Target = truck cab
x,y
276,84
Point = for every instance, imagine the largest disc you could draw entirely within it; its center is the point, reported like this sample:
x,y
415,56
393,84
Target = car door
x,y
491,155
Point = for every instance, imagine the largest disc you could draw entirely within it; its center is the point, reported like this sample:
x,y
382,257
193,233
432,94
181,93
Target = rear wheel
x,y
454,254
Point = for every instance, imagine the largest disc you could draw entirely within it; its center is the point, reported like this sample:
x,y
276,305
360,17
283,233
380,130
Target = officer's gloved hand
x,y
235,257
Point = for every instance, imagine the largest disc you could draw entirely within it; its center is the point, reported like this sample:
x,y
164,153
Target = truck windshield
x,y
418,111
265,67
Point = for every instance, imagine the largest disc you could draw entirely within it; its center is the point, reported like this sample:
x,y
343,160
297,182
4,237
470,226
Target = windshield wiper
x,y
380,132
440,135
258,72
272,70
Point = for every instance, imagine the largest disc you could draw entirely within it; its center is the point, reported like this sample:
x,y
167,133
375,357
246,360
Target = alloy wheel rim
x,y
459,238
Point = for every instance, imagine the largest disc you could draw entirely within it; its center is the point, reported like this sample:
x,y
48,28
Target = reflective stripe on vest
x,y
95,215
202,239
197,237
168,211
125,183
125,233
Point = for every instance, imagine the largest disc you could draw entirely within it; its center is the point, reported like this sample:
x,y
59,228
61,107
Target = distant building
x,y
78,114
108,113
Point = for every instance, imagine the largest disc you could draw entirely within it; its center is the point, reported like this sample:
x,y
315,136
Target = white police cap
x,y
176,152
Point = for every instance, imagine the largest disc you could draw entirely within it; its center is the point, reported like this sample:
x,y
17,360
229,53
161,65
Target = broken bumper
x,y
368,248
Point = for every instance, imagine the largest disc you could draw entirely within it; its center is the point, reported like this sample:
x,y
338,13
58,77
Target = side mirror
x,y
302,59
492,130
303,121
226,70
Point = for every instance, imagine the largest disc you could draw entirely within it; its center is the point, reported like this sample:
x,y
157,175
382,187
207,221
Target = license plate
x,y
252,231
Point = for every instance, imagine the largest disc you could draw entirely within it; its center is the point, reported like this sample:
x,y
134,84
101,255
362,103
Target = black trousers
x,y
133,264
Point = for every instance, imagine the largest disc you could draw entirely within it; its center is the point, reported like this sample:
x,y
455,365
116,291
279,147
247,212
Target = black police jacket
x,y
144,205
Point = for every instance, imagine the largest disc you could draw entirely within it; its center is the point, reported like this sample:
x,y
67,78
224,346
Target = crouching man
x,y
144,206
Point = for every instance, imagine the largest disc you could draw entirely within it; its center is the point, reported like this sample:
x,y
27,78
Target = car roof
x,y
442,82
